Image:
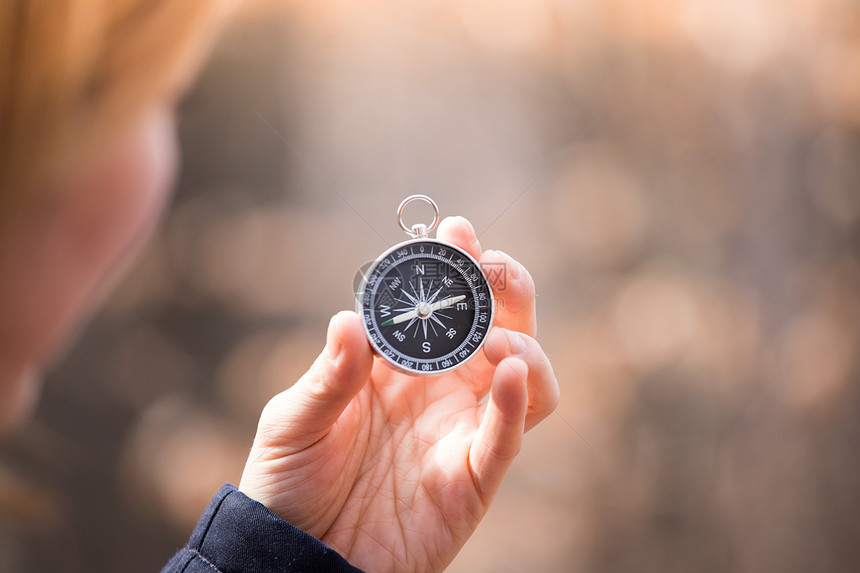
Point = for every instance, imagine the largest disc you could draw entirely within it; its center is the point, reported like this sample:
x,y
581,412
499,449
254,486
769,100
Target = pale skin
x,y
392,471
395,471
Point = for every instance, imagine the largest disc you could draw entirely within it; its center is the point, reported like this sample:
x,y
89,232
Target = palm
x,y
391,480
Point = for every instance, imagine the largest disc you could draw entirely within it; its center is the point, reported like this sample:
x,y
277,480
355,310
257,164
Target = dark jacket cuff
x,y
239,535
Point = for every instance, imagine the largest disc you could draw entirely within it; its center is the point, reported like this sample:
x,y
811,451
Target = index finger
x,y
514,292
459,232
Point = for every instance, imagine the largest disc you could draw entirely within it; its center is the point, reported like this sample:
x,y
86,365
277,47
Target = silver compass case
x,y
425,304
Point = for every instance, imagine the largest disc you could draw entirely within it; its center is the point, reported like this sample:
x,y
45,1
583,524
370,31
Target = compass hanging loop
x,y
420,230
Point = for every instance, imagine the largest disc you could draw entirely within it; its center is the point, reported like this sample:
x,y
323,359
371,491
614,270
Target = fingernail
x,y
516,343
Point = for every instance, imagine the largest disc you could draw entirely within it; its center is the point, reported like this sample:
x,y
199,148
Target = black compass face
x,y
426,306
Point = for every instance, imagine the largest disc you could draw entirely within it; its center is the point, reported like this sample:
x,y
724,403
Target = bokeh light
x,y
681,178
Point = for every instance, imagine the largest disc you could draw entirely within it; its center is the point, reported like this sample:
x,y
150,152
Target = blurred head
x,y
87,156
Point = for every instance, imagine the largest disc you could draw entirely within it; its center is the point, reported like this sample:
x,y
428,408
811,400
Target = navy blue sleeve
x,y
239,535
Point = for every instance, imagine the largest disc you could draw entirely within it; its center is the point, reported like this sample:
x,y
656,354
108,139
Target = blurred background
x,y
681,177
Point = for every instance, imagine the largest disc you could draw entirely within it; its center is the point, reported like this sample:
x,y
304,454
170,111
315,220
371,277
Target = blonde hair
x,y
75,73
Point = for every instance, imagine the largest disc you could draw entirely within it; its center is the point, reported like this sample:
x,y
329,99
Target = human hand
x,y
395,471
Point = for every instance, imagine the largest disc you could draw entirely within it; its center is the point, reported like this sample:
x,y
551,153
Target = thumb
x,y
301,415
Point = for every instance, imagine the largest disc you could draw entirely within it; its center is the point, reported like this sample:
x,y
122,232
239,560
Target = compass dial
x,y
426,306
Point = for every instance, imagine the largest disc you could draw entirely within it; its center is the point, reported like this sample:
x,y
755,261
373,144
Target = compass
x,y
425,304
